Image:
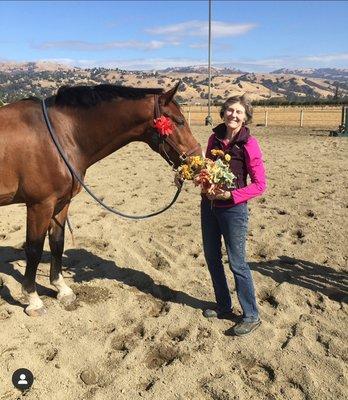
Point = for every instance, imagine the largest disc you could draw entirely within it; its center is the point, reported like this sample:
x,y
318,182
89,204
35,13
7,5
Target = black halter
x,y
162,140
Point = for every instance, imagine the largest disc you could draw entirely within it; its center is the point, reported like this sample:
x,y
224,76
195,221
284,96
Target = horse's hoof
x,y
67,299
35,312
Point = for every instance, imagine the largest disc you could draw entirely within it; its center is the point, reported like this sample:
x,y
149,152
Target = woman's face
x,y
234,116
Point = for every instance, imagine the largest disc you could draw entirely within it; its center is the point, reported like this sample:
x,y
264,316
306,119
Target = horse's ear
x,y
167,97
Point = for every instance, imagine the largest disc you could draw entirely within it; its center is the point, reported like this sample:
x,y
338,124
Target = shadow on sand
x,y
87,266
318,278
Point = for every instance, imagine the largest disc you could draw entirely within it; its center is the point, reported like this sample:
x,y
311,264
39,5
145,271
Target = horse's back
x,y
20,117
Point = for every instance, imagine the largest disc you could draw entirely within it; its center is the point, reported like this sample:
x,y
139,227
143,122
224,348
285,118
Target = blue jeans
x,y
232,224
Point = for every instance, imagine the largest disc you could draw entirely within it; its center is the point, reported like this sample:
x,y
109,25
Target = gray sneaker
x,y
244,328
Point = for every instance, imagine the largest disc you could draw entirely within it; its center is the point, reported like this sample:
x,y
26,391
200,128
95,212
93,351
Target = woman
x,y
225,214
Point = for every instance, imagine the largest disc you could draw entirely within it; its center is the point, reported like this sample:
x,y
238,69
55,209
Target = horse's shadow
x,y
316,277
9,255
87,266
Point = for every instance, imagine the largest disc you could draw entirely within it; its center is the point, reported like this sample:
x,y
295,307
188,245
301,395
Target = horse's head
x,y
172,137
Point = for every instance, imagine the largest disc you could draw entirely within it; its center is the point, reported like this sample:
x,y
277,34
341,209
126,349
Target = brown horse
x,y
90,122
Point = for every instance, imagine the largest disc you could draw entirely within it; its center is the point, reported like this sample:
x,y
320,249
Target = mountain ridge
x,y
18,80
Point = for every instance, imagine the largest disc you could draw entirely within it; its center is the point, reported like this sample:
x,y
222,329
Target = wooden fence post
x,y
266,117
301,119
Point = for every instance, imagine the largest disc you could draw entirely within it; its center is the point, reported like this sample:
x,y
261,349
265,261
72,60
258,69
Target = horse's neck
x,y
103,129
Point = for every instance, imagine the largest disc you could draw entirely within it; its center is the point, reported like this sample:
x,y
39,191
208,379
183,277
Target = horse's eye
x,y
176,120
179,121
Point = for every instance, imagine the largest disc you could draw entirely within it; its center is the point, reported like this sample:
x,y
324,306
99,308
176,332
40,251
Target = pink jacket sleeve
x,y
256,171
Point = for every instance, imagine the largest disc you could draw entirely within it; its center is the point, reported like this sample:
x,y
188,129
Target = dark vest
x,y
235,149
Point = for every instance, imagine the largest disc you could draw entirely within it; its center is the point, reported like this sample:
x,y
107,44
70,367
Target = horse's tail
x,y
71,230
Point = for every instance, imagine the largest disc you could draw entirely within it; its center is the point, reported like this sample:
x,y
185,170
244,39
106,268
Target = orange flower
x,y
203,180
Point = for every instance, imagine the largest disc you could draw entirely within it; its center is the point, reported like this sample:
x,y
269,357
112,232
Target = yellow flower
x,y
227,157
185,172
196,161
217,153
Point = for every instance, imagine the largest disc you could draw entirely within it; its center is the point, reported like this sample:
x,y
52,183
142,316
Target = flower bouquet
x,y
211,176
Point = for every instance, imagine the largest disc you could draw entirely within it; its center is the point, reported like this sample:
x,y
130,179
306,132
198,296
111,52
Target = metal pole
x,y
345,133
208,119
342,117
301,118
209,60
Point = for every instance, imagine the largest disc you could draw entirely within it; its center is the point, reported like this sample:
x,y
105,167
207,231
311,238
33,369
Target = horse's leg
x,y
38,220
56,240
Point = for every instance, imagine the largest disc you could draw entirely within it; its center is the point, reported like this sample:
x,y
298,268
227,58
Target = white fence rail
x,y
314,117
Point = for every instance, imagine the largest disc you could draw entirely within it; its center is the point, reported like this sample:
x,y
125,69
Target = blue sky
x,y
250,35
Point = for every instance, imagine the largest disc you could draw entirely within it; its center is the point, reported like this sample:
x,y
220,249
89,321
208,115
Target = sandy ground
x,y
137,330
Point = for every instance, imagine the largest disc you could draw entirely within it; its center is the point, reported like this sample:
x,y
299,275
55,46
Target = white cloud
x,y
328,58
88,46
199,46
216,46
311,61
222,29
200,28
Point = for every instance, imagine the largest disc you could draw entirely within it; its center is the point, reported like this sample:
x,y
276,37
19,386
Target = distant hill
x,y
42,79
201,69
34,67
336,74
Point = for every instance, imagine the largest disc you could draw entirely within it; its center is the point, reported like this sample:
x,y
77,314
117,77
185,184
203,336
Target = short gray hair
x,y
244,101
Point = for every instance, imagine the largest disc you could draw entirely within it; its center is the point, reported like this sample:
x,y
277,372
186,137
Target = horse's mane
x,y
88,96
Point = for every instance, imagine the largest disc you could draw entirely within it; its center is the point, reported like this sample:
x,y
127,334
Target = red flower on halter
x,y
164,125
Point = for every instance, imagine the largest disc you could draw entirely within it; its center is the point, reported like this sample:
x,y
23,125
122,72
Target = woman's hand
x,y
219,194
